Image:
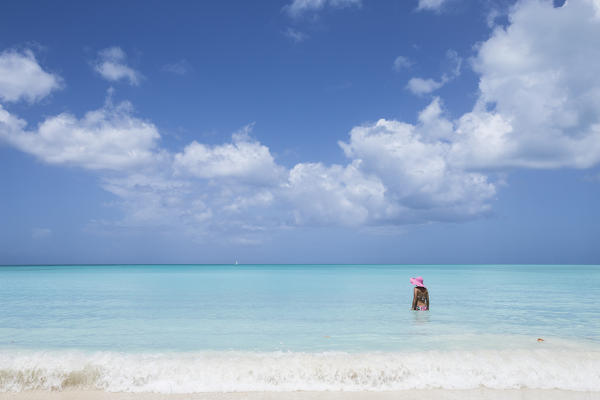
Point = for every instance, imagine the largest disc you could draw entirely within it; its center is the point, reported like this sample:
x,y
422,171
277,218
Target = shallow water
x,y
295,307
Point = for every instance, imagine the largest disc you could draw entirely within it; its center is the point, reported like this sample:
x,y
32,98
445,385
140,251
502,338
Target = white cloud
x,y
109,138
338,195
401,63
420,86
295,35
111,64
223,206
153,197
396,173
244,159
22,78
433,125
416,169
539,91
299,7
431,5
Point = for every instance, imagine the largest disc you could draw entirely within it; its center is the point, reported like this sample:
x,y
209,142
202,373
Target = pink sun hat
x,y
418,281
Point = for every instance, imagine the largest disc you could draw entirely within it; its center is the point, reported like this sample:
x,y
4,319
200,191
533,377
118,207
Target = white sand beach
x,y
476,394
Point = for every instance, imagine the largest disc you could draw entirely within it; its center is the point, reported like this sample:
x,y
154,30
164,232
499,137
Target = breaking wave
x,y
291,371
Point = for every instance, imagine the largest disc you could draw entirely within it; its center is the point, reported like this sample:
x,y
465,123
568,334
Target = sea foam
x,y
292,371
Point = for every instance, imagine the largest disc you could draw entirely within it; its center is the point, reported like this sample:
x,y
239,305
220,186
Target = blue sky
x,y
425,131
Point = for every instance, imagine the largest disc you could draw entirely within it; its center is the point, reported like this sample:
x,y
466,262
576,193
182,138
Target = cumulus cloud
x,y
207,208
433,124
153,197
112,66
109,138
539,91
420,86
299,7
396,173
431,5
244,159
417,171
338,195
22,78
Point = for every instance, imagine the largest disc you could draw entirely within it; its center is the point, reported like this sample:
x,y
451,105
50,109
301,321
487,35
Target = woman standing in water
x,y
420,295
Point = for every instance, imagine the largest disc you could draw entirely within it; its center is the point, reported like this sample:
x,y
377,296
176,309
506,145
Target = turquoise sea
x,y
199,328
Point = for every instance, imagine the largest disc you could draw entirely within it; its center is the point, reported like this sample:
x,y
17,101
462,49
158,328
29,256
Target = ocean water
x,y
203,328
